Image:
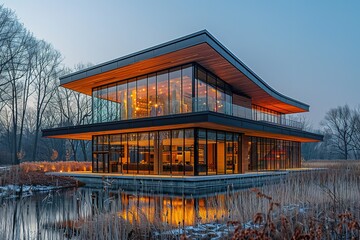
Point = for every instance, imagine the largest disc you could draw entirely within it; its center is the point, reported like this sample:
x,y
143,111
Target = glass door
x,y
102,160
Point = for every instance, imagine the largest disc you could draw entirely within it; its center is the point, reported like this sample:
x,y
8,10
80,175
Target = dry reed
x,y
59,166
322,204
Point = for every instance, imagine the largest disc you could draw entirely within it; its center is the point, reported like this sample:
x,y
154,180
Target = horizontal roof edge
x,y
196,38
147,50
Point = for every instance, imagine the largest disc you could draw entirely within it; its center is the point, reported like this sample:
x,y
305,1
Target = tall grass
x,y
322,204
60,166
32,175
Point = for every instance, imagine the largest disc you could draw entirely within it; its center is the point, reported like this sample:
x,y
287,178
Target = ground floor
x,y
192,152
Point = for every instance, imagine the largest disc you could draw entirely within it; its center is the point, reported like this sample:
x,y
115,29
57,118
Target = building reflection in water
x,y
45,212
172,210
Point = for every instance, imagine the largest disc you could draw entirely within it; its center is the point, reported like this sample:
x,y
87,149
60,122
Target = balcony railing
x,y
114,113
253,114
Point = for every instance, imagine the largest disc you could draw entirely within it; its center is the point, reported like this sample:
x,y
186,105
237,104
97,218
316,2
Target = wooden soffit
x,y
209,120
214,126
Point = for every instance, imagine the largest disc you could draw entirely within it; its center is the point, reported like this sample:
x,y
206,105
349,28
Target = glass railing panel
x,y
243,112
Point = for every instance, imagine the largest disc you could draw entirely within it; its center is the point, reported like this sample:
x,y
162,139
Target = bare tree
x,y
30,98
75,109
339,124
26,90
11,36
16,85
46,72
356,134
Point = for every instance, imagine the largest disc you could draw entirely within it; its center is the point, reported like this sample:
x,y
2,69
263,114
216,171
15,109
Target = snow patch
x,y
11,191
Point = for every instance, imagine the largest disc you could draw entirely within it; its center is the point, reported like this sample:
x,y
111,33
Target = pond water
x,y
37,216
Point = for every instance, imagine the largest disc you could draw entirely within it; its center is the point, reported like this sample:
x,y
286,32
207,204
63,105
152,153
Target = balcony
x,y
110,111
256,115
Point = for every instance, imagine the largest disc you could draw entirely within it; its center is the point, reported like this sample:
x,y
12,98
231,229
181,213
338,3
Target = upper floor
x,y
191,74
182,89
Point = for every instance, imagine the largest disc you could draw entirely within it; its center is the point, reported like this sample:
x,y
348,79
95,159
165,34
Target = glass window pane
x,y
100,162
94,162
228,104
211,92
162,93
122,99
115,153
237,153
133,153
187,99
211,152
201,90
141,98
229,153
131,100
268,154
96,103
177,153
153,148
175,90
253,155
202,152
113,105
102,106
152,95
144,153
94,155
124,157
220,97
189,151
164,152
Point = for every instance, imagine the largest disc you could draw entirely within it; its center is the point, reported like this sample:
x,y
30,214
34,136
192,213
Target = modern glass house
x,y
185,107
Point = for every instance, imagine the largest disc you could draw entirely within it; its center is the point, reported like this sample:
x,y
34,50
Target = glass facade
x,y
271,154
157,152
188,88
194,151
211,93
171,152
183,89
219,152
158,94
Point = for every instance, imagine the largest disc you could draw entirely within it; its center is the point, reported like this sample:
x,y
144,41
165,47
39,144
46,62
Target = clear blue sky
x,y
308,50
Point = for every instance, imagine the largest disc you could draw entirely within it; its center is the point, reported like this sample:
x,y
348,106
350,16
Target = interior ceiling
x,y
202,54
88,135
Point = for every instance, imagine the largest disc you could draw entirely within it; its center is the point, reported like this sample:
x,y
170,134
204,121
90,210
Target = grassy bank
x,y
34,174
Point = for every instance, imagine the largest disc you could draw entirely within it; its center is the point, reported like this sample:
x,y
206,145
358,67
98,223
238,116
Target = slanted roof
x,y
200,47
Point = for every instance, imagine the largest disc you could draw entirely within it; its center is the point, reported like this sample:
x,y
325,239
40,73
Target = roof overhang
x,y
200,47
209,120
